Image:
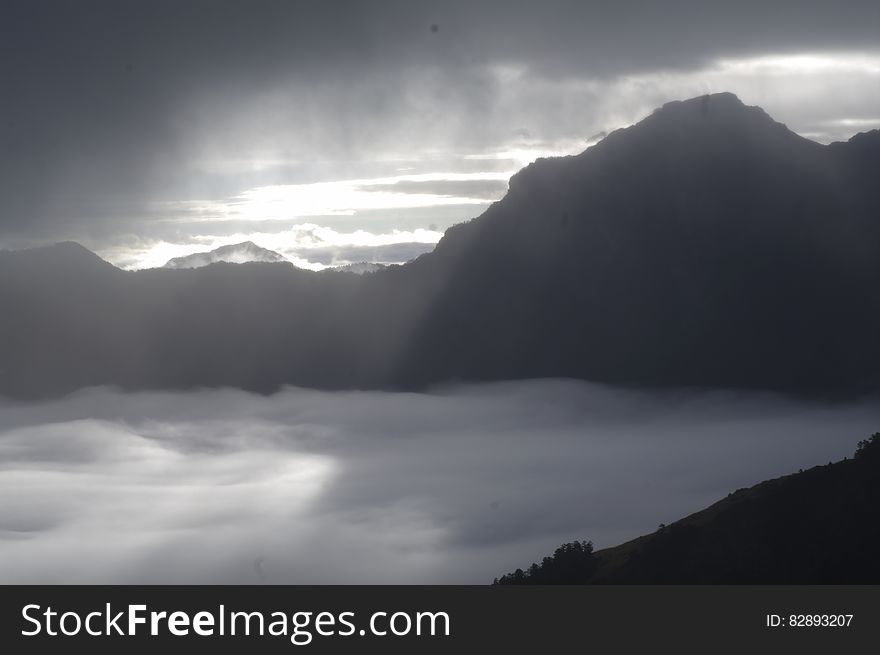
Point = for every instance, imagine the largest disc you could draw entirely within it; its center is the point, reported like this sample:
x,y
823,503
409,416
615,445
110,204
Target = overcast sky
x,y
147,130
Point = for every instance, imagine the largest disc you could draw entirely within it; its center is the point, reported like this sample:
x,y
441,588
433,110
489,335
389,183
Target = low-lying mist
x,y
455,486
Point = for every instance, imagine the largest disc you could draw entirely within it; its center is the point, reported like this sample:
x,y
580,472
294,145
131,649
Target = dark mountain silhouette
x,y
238,253
705,246
820,526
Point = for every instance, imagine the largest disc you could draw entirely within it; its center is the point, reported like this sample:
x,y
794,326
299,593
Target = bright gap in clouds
x,y
323,200
804,64
825,96
286,201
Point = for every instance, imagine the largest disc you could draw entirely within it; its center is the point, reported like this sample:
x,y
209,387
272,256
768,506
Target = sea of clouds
x,y
454,486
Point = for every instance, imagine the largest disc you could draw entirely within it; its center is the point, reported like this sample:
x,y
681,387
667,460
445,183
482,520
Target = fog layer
x,y
455,486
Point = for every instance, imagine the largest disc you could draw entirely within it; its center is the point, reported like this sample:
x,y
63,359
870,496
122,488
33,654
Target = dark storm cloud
x,y
454,486
110,105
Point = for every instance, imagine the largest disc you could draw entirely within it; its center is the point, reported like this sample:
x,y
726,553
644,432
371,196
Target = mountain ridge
x,y
705,246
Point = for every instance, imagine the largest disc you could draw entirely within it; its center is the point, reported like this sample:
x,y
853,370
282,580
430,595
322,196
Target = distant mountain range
x,y
818,526
248,251
707,245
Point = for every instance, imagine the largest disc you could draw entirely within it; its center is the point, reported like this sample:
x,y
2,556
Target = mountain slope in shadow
x,y
820,526
707,245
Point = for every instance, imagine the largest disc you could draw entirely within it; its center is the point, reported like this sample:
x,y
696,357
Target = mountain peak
x,y
71,248
718,108
64,251
705,101
716,125
237,253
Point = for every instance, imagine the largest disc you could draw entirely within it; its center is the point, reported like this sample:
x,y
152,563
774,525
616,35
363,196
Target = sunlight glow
x,y
338,198
803,64
857,122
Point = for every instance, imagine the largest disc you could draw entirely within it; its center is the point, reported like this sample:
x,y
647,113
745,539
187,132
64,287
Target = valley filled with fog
x,y
453,486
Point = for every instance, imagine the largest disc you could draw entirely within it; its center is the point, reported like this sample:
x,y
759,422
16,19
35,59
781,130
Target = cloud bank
x,y
455,486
